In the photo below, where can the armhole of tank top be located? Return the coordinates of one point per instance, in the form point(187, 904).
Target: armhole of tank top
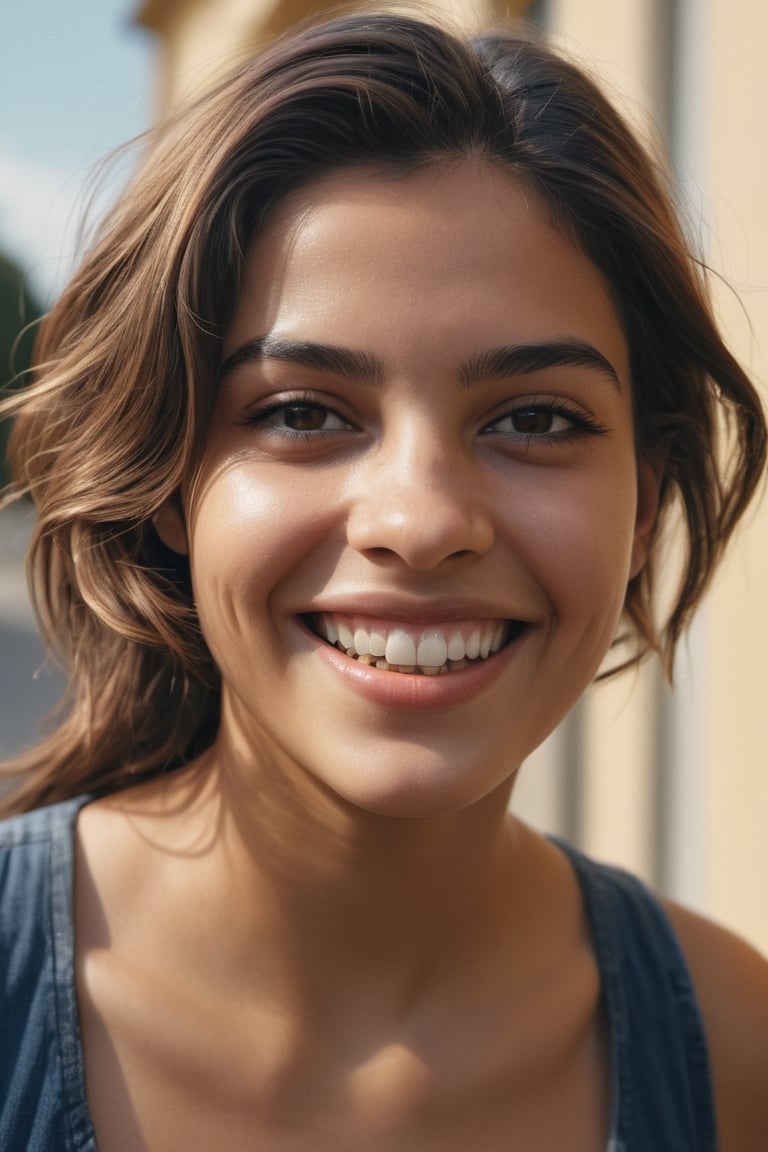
point(75, 1104)
point(595, 878)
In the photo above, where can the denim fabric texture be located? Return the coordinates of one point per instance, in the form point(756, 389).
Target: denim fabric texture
point(43, 1106)
point(660, 1082)
point(661, 1088)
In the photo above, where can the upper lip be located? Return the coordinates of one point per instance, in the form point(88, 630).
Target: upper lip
point(413, 609)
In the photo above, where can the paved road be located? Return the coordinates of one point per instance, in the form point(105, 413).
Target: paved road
point(28, 687)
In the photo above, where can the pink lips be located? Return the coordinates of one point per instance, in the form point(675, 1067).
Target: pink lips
point(412, 689)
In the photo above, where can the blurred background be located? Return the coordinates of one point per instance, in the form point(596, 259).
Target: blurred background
point(672, 785)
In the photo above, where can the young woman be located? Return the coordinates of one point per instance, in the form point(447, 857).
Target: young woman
point(352, 444)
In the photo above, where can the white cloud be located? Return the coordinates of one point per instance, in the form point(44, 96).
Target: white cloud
point(41, 208)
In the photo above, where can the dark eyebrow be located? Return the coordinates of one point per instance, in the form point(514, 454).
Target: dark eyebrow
point(323, 357)
point(522, 359)
point(509, 360)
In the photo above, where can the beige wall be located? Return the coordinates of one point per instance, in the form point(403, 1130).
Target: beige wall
point(678, 791)
point(739, 615)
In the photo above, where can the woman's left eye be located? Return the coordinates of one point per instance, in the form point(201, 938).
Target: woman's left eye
point(544, 421)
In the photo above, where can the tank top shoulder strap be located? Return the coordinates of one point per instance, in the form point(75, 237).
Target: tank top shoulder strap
point(661, 1089)
point(43, 1104)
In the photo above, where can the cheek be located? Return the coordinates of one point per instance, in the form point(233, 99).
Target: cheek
point(249, 525)
point(580, 534)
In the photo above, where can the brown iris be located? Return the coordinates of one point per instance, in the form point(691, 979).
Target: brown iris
point(304, 417)
point(533, 421)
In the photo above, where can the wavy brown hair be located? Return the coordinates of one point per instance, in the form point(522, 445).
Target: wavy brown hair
point(126, 363)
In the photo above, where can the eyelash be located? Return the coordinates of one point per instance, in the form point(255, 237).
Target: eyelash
point(262, 416)
point(582, 425)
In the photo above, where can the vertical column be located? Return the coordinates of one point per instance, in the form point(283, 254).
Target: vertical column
point(684, 763)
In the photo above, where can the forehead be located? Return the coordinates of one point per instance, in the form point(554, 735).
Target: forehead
point(454, 254)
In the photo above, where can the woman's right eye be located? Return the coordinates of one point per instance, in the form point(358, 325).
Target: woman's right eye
point(298, 418)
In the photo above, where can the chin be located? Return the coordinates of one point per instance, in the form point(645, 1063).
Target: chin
point(418, 792)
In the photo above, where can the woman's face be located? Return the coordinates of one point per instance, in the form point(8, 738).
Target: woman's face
point(419, 506)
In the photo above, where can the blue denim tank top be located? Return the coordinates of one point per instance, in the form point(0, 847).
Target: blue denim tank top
point(661, 1097)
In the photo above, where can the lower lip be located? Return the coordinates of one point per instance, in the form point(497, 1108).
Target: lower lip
point(416, 692)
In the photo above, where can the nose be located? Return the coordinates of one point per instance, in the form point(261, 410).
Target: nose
point(421, 499)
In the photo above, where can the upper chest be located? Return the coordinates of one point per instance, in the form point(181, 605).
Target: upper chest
point(167, 1069)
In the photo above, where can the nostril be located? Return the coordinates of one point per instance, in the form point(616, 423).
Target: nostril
point(423, 526)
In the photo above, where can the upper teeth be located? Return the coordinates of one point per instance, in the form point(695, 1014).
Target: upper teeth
point(413, 647)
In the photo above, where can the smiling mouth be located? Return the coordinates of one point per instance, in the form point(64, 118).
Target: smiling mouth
point(421, 650)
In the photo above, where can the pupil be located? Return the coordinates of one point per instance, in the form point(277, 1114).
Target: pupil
point(533, 421)
point(304, 417)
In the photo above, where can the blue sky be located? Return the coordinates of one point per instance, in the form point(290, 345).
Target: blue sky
point(76, 80)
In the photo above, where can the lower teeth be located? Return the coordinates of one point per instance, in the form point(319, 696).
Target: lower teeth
point(412, 669)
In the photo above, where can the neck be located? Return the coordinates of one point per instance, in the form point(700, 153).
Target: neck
point(337, 903)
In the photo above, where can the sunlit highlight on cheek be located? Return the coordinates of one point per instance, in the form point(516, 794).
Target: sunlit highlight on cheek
point(250, 522)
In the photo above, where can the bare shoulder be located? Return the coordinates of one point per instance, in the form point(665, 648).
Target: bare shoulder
point(731, 981)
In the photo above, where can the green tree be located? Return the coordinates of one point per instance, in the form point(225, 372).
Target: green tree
point(17, 309)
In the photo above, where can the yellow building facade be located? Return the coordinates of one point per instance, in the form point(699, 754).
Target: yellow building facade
point(675, 786)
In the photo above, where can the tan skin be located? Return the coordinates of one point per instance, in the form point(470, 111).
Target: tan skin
point(330, 933)
point(309, 1025)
